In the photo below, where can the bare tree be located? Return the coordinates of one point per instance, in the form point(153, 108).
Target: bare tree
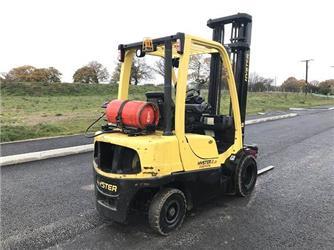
point(101, 72)
point(259, 83)
point(140, 70)
point(199, 68)
point(159, 67)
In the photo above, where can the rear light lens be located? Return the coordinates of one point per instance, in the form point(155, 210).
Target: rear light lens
point(178, 46)
point(121, 53)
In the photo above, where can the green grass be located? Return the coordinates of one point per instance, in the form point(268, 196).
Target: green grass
point(263, 102)
point(32, 110)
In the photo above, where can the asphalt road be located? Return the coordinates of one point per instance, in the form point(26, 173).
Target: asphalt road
point(50, 203)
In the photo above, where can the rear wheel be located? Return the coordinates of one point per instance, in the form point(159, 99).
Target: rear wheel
point(246, 175)
point(167, 210)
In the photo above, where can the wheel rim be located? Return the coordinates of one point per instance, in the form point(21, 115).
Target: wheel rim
point(172, 212)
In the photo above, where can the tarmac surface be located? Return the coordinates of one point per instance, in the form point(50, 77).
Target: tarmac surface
point(50, 203)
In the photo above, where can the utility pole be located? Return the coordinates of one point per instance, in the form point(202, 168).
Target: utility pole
point(306, 74)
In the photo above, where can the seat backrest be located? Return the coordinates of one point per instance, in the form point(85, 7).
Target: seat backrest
point(154, 95)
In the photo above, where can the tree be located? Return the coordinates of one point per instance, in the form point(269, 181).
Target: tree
point(258, 83)
point(20, 74)
point(199, 69)
point(159, 67)
point(85, 75)
point(29, 73)
point(39, 75)
point(314, 82)
point(327, 87)
point(93, 72)
point(100, 71)
point(140, 70)
point(293, 85)
point(116, 73)
point(313, 86)
point(53, 75)
point(48, 75)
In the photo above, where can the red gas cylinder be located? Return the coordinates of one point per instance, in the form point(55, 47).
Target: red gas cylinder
point(135, 114)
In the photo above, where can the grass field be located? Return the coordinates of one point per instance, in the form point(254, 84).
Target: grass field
point(37, 110)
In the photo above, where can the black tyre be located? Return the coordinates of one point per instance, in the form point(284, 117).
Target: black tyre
point(167, 210)
point(245, 176)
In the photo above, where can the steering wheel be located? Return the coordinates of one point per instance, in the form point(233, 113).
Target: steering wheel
point(192, 93)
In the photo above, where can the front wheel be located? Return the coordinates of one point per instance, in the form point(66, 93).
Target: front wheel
point(245, 176)
point(167, 210)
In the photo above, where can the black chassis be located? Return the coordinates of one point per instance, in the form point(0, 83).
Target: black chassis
point(198, 187)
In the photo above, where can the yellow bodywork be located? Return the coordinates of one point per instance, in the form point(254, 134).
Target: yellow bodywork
point(164, 155)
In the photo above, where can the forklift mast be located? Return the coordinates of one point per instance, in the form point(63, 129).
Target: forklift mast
point(239, 49)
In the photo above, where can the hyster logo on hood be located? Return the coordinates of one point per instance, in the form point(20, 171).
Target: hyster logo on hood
point(109, 187)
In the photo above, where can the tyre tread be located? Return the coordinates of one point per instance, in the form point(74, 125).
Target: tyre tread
point(156, 205)
point(238, 171)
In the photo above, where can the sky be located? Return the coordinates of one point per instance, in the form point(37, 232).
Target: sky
point(67, 34)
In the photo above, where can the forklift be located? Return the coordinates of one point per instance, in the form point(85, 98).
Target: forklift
point(175, 150)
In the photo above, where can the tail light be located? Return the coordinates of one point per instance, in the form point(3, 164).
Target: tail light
point(121, 53)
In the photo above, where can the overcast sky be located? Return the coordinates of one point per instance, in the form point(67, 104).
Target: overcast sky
point(68, 34)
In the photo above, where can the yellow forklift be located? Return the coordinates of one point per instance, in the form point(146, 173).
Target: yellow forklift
point(176, 149)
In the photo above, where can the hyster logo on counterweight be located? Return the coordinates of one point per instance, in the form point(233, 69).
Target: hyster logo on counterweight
point(109, 187)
